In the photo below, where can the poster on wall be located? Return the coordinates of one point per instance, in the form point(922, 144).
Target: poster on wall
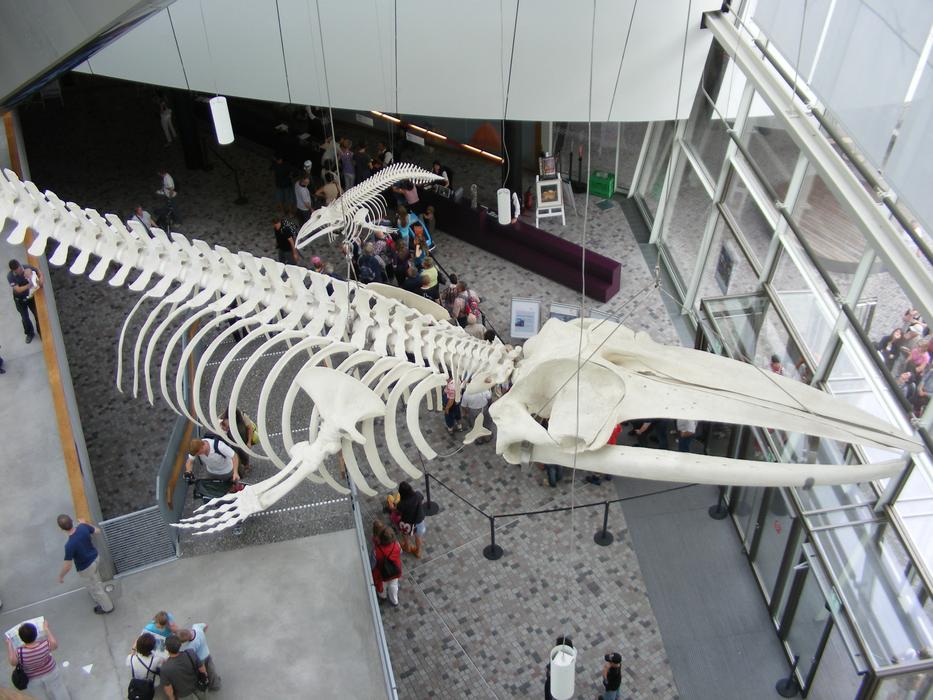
point(526, 317)
point(564, 312)
point(724, 266)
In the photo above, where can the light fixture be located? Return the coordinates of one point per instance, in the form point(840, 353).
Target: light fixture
point(392, 119)
point(221, 116)
point(433, 134)
point(504, 200)
point(563, 669)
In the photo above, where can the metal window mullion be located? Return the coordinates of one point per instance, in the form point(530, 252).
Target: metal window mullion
point(615, 168)
point(642, 157)
point(699, 169)
point(670, 180)
point(706, 245)
point(794, 188)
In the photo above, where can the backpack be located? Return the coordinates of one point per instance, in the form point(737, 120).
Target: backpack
point(388, 569)
point(141, 688)
point(471, 305)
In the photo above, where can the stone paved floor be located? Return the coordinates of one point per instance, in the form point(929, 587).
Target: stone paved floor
point(467, 627)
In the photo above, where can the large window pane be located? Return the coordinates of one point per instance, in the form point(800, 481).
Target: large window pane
point(727, 271)
point(835, 239)
point(806, 312)
point(707, 136)
point(868, 561)
point(848, 381)
point(655, 168)
point(601, 141)
point(685, 218)
point(774, 152)
point(887, 301)
point(753, 226)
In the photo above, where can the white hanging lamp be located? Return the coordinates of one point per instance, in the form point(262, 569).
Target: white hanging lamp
point(221, 116)
point(504, 200)
point(563, 671)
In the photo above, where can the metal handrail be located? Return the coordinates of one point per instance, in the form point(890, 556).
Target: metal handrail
point(384, 656)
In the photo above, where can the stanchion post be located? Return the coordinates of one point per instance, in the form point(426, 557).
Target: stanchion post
point(492, 551)
point(430, 507)
point(720, 510)
point(788, 687)
point(603, 537)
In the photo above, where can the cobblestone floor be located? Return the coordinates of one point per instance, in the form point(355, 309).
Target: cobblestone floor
point(469, 627)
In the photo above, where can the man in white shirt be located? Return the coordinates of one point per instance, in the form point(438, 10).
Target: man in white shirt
point(168, 185)
point(303, 200)
point(384, 154)
point(143, 217)
point(217, 457)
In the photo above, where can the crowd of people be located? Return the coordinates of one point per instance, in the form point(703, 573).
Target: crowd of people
point(399, 252)
point(906, 351)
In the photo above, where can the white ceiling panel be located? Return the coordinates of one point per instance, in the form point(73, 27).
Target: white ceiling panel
point(455, 57)
point(130, 56)
point(189, 32)
point(301, 39)
point(551, 64)
point(246, 48)
point(453, 77)
point(651, 70)
point(359, 48)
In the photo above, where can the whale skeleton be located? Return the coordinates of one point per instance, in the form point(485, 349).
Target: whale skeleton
point(371, 355)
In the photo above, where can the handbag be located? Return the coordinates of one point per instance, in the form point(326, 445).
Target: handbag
point(203, 681)
point(19, 678)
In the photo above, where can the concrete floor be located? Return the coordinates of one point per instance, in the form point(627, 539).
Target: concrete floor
point(297, 626)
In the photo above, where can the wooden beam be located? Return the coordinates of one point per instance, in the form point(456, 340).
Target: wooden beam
point(52, 366)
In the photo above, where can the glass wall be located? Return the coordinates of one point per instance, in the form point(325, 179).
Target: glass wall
point(765, 253)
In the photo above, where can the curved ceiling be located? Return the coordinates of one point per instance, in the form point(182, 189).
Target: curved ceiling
point(484, 59)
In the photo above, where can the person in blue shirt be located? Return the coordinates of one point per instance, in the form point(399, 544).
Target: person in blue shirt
point(80, 552)
point(195, 640)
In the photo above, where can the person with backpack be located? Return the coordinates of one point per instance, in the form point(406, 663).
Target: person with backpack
point(144, 663)
point(218, 458)
point(371, 266)
point(466, 302)
point(388, 565)
point(411, 518)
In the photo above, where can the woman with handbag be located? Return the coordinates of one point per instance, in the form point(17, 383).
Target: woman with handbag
point(388, 566)
point(36, 661)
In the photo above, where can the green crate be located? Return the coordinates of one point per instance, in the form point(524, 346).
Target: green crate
point(602, 184)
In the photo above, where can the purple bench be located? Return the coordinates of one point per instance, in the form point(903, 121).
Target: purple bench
point(528, 246)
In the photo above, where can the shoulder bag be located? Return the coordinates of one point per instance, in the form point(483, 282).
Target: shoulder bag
point(203, 680)
point(19, 678)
